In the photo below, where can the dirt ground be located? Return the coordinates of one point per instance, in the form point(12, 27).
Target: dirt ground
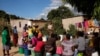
point(13, 51)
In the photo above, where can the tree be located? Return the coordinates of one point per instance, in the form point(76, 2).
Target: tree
point(88, 7)
point(56, 16)
point(97, 10)
point(57, 26)
point(61, 12)
point(5, 19)
point(14, 17)
point(6, 16)
point(42, 19)
point(2, 14)
point(72, 30)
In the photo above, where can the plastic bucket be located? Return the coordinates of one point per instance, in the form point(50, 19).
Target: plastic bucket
point(21, 50)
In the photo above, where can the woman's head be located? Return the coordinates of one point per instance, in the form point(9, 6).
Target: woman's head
point(5, 27)
point(35, 34)
point(67, 36)
point(64, 33)
point(39, 39)
point(58, 37)
point(80, 33)
point(15, 27)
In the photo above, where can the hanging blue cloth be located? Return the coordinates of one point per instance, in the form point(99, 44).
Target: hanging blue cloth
point(96, 22)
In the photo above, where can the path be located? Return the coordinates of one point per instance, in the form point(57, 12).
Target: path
point(13, 51)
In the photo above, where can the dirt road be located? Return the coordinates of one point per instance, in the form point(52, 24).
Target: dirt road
point(13, 51)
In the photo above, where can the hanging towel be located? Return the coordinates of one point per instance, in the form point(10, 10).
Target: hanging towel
point(96, 23)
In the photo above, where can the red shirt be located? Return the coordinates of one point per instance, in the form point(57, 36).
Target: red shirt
point(39, 46)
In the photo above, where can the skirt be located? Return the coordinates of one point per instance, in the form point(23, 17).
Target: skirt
point(59, 50)
point(6, 47)
point(15, 39)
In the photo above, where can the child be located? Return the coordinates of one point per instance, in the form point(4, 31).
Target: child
point(76, 46)
point(48, 49)
point(25, 46)
point(30, 32)
point(58, 47)
point(90, 45)
point(34, 39)
point(20, 43)
point(39, 47)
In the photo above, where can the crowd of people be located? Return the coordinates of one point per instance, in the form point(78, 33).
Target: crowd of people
point(34, 42)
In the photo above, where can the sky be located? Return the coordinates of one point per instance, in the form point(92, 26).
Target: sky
point(31, 9)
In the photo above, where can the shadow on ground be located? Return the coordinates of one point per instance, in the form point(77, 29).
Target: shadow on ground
point(13, 53)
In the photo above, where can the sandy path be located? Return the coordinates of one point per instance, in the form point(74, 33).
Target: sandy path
point(13, 51)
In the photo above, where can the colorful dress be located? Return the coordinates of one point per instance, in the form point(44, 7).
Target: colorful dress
point(15, 37)
point(58, 47)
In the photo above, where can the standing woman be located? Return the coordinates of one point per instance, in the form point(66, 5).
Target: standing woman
point(68, 46)
point(6, 41)
point(15, 36)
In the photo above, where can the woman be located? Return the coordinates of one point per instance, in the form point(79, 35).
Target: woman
point(15, 36)
point(81, 42)
point(68, 46)
point(30, 32)
point(50, 45)
point(58, 46)
point(39, 47)
point(6, 41)
point(90, 45)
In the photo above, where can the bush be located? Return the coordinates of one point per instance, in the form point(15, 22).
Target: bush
point(72, 30)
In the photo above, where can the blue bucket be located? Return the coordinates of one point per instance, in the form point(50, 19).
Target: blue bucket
point(27, 52)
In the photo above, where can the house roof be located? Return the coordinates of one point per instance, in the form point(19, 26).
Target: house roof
point(40, 21)
point(33, 20)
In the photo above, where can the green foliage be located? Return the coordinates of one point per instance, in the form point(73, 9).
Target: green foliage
point(56, 16)
point(97, 10)
point(6, 16)
point(14, 17)
point(44, 30)
point(5, 19)
point(72, 30)
point(2, 14)
point(85, 6)
point(57, 26)
point(3, 25)
point(61, 12)
point(88, 7)
point(42, 19)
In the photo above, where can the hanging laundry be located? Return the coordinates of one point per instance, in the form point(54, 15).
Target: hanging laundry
point(86, 24)
point(96, 23)
point(76, 25)
point(91, 23)
point(80, 25)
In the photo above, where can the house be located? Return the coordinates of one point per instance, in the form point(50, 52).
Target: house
point(21, 22)
point(68, 21)
point(79, 19)
point(40, 23)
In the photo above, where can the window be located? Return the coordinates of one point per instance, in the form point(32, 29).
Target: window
point(20, 24)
